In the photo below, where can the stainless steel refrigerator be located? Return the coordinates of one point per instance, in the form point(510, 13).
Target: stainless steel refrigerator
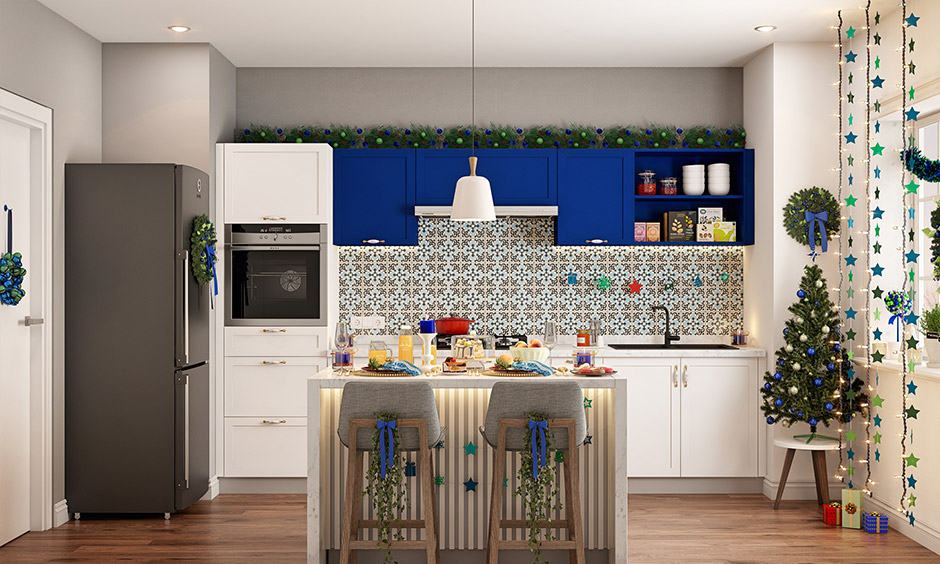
point(136, 339)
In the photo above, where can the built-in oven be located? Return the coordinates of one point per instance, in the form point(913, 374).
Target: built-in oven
point(275, 274)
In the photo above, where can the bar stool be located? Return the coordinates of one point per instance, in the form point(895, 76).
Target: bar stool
point(420, 429)
point(506, 425)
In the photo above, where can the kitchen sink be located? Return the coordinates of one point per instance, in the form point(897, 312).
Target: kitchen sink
point(677, 346)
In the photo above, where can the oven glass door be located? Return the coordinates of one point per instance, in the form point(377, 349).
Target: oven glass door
point(276, 284)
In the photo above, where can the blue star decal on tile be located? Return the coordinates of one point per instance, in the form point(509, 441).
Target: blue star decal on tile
point(850, 260)
point(876, 334)
point(877, 270)
point(912, 114)
point(911, 387)
point(878, 213)
point(850, 313)
point(911, 481)
point(877, 420)
point(851, 485)
point(851, 137)
point(850, 453)
point(850, 56)
point(505, 482)
point(877, 82)
point(850, 222)
point(471, 485)
point(911, 20)
point(911, 256)
point(911, 318)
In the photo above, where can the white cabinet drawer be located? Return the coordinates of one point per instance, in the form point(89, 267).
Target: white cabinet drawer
point(255, 449)
point(276, 341)
point(265, 386)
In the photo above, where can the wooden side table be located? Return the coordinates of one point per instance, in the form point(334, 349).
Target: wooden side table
point(817, 449)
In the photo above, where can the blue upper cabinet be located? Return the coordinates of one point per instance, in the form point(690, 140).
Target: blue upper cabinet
point(594, 202)
point(374, 197)
point(517, 177)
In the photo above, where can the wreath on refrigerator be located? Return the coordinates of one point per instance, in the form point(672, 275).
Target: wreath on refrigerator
point(202, 250)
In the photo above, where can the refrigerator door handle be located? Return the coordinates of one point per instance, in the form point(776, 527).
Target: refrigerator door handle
point(186, 432)
point(186, 319)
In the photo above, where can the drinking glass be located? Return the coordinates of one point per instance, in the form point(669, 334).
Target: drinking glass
point(341, 340)
point(550, 338)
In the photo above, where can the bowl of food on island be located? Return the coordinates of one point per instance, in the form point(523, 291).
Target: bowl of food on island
point(534, 350)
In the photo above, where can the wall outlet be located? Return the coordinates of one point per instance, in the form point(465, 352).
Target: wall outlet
point(377, 322)
point(359, 321)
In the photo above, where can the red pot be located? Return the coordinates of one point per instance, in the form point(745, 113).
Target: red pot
point(453, 326)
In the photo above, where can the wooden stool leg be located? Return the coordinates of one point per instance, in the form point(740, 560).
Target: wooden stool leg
point(427, 495)
point(437, 524)
point(351, 500)
point(822, 476)
point(816, 476)
point(574, 511)
point(496, 501)
point(357, 512)
point(787, 462)
point(572, 554)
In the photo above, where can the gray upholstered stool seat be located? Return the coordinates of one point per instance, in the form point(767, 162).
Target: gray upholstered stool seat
point(410, 400)
point(515, 400)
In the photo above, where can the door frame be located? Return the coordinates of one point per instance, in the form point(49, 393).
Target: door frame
point(38, 119)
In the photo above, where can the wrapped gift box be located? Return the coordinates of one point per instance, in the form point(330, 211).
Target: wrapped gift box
point(639, 232)
point(875, 522)
point(652, 232)
point(852, 509)
point(710, 215)
point(832, 513)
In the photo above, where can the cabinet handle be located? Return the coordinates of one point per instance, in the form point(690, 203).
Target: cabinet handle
point(266, 218)
point(269, 422)
point(685, 376)
point(274, 362)
point(596, 241)
point(675, 376)
point(373, 241)
point(274, 330)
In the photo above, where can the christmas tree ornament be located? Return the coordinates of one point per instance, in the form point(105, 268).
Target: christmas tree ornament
point(803, 338)
point(793, 391)
point(789, 348)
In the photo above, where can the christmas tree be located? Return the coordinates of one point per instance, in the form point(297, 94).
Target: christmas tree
point(810, 378)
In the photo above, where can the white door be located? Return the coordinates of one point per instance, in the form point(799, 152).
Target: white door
point(720, 417)
point(15, 339)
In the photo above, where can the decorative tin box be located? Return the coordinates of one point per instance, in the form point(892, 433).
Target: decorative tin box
point(653, 232)
point(639, 232)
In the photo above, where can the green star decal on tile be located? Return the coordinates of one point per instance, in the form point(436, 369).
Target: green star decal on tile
point(587, 403)
point(877, 149)
point(851, 240)
point(850, 334)
point(877, 401)
point(438, 480)
point(910, 366)
point(877, 314)
point(912, 187)
point(876, 438)
point(911, 412)
point(505, 482)
point(850, 32)
point(850, 435)
point(877, 356)
point(877, 292)
point(877, 192)
point(850, 201)
point(912, 342)
point(877, 106)
point(470, 449)
point(851, 160)
point(911, 92)
point(850, 293)
point(877, 247)
point(911, 460)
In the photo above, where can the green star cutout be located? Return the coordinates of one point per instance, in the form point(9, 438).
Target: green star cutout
point(851, 78)
point(910, 366)
point(877, 247)
point(470, 449)
point(850, 276)
point(911, 275)
point(910, 235)
point(850, 32)
point(851, 98)
point(505, 482)
point(851, 240)
point(438, 480)
point(877, 192)
point(911, 460)
point(877, 356)
point(911, 500)
point(851, 159)
point(877, 438)
point(912, 67)
point(877, 401)
point(911, 412)
point(911, 45)
point(912, 187)
point(877, 106)
point(877, 39)
point(850, 334)
point(877, 231)
point(850, 471)
point(587, 403)
point(850, 201)
point(850, 435)
point(877, 62)
point(877, 315)
point(850, 354)
point(877, 292)
point(912, 342)
point(877, 149)
point(877, 18)
point(851, 394)
point(911, 92)
point(850, 293)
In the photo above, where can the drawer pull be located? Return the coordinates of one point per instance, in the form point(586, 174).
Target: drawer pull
point(270, 422)
point(274, 330)
point(596, 241)
point(266, 218)
point(685, 376)
point(373, 241)
point(274, 362)
point(675, 376)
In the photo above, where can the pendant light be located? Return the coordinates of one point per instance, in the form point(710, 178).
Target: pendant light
point(473, 198)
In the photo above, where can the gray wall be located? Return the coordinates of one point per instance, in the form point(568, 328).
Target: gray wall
point(517, 96)
point(45, 58)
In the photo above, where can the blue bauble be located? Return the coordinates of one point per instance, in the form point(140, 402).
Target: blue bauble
point(780, 362)
point(408, 131)
point(649, 131)
point(279, 131)
point(830, 366)
point(828, 406)
point(784, 331)
point(679, 131)
point(792, 410)
point(770, 420)
point(813, 421)
point(767, 386)
point(778, 402)
point(818, 381)
point(778, 376)
point(811, 351)
point(567, 132)
point(816, 303)
point(800, 293)
point(439, 131)
point(518, 130)
point(800, 414)
point(836, 347)
point(487, 131)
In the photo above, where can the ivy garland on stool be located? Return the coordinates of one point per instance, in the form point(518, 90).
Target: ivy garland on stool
point(811, 217)
point(202, 250)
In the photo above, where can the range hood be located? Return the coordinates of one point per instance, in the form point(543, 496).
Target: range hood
point(501, 211)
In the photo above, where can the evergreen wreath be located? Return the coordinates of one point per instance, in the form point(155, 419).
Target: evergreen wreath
point(500, 137)
point(928, 170)
point(539, 494)
point(202, 249)
point(388, 495)
point(934, 233)
point(814, 200)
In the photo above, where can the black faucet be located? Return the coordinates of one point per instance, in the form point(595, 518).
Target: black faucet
point(667, 338)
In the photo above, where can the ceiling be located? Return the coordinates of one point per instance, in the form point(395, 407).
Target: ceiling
point(436, 33)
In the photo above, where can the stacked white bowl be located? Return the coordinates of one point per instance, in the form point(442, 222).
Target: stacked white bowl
point(693, 180)
point(719, 179)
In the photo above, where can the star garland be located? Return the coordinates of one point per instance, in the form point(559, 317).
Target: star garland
point(841, 171)
point(876, 150)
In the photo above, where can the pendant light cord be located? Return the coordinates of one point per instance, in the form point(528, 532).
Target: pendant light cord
point(473, 78)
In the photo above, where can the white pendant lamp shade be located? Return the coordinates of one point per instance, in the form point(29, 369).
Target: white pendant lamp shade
point(473, 199)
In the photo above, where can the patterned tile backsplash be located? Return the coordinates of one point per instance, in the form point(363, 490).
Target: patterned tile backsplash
point(508, 276)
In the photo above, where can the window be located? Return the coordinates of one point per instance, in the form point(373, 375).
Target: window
point(927, 136)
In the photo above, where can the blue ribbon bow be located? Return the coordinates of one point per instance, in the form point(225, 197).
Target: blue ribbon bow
point(539, 426)
point(897, 318)
point(210, 256)
point(382, 426)
point(811, 219)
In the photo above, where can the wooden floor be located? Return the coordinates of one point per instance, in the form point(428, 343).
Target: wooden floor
point(270, 529)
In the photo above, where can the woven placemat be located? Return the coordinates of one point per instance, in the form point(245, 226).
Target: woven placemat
point(511, 373)
point(381, 373)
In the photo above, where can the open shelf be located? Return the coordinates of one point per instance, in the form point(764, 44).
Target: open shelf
point(704, 198)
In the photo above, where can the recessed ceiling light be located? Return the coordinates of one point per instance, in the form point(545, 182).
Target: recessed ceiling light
point(765, 28)
point(179, 28)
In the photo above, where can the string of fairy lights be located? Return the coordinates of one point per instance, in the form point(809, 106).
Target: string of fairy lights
point(870, 216)
point(841, 171)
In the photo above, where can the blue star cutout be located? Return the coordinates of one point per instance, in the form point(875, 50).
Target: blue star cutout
point(878, 213)
point(911, 481)
point(911, 388)
point(876, 334)
point(877, 420)
point(850, 313)
point(911, 115)
point(850, 222)
point(877, 455)
point(912, 256)
point(470, 485)
point(877, 172)
point(470, 449)
point(878, 130)
point(877, 82)
point(850, 56)
point(911, 20)
point(850, 260)
point(911, 212)
point(851, 485)
point(851, 137)
point(850, 372)
point(851, 180)
point(877, 270)
point(850, 453)
point(587, 439)
point(911, 318)
point(910, 517)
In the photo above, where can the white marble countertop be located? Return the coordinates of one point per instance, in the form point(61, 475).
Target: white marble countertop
point(333, 379)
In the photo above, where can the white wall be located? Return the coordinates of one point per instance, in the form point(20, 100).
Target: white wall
point(45, 58)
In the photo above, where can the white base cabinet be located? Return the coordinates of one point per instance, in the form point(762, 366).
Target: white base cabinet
point(270, 447)
point(692, 417)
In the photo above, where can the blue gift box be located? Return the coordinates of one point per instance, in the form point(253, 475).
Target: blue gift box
point(875, 522)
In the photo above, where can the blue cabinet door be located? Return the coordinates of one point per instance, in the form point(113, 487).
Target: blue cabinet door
point(524, 177)
point(374, 197)
point(595, 204)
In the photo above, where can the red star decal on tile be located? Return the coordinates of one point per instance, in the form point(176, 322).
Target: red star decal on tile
point(635, 287)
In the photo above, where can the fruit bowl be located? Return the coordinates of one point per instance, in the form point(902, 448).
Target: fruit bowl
point(528, 354)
